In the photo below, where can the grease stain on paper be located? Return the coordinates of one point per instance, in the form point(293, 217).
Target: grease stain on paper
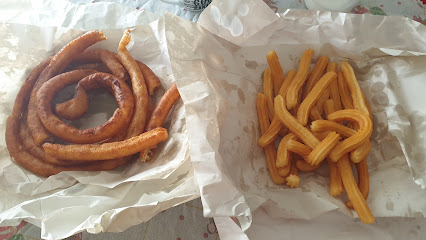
point(251, 64)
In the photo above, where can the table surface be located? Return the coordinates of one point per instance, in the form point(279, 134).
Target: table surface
point(186, 221)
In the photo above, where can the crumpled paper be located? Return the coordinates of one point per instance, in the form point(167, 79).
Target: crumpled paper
point(218, 65)
point(94, 201)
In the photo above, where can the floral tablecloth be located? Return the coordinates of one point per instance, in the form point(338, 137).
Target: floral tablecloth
point(186, 221)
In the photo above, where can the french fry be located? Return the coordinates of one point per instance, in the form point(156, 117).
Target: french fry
point(270, 152)
point(299, 79)
point(276, 70)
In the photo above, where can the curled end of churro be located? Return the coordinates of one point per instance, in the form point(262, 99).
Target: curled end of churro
point(292, 181)
point(124, 40)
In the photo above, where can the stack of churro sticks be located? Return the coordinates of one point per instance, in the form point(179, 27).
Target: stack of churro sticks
point(320, 116)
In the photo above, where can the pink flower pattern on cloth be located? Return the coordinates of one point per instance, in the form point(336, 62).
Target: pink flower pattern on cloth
point(186, 221)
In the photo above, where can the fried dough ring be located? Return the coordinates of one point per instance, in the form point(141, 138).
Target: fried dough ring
point(90, 81)
point(159, 115)
point(100, 67)
point(56, 65)
point(140, 92)
point(109, 150)
point(37, 151)
point(23, 96)
point(42, 168)
point(151, 80)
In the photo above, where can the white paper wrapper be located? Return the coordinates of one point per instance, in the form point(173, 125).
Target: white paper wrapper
point(93, 201)
point(218, 65)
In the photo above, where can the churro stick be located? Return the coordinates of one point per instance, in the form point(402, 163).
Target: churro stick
point(321, 101)
point(293, 179)
point(270, 152)
point(303, 166)
point(361, 153)
point(298, 148)
point(299, 79)
point(276, 125)
point(357, 95)
point(344, 92)
point(293, 125)
point(321, 135)
point(363, 180)
point(289, 77)
point(285, 171)
point(325, 125)
point(332, 67)
point(356, 140)
point(336, 186)
point(335, 95)
point(268, 90)
point(354, 194)
point(320, 152)
point(315, 114)
point(313, 96)
point(283, 154)
point(316, 74)
point(276, 70)
point(272, 132)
